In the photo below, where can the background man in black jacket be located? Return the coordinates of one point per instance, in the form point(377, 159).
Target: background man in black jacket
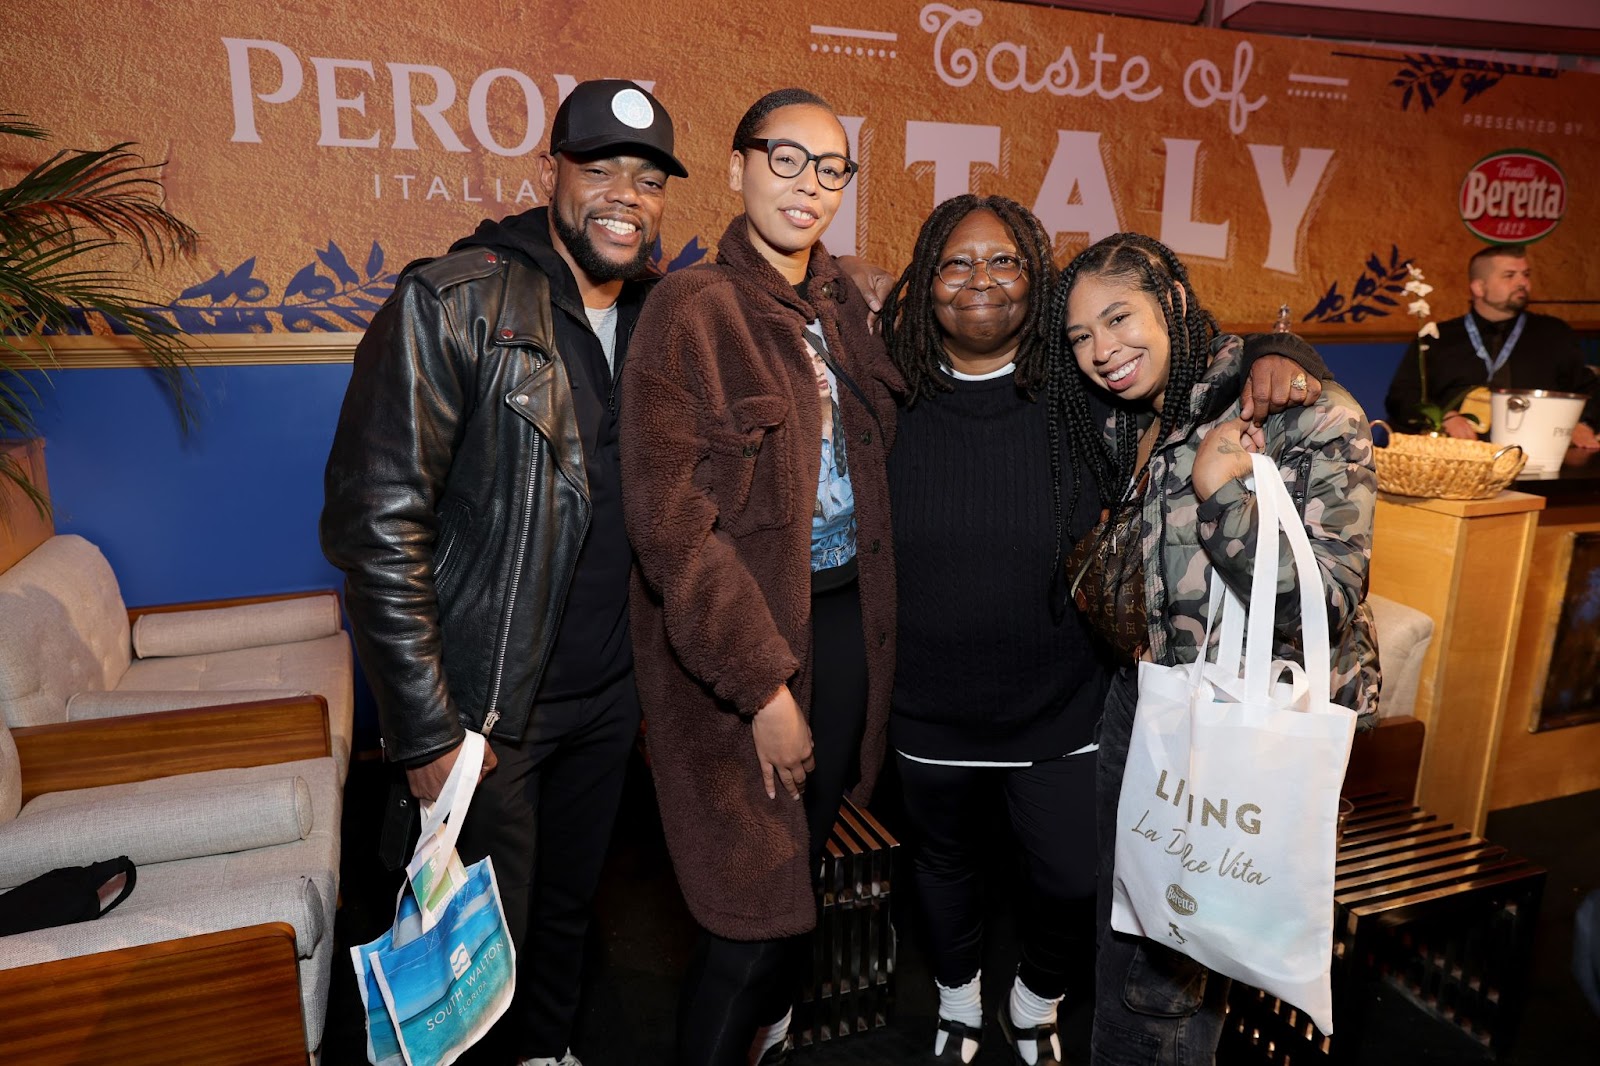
point(473, 501)
point(1498, 343)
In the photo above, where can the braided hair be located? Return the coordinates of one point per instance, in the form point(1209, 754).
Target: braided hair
point(1152, 267)
point(910, 329)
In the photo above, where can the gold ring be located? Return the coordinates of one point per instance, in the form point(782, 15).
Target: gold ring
point(1298, 382)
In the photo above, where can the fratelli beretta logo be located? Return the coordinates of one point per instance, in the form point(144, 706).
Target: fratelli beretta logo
point(1181, 901)
point(1513, 197)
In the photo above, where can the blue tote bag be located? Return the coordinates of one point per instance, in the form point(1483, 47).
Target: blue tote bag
point(446, 969)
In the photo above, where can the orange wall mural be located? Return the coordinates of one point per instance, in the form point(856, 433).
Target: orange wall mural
point(319, 147)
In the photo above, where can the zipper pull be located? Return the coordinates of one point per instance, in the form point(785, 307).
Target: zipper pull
point(489, 721)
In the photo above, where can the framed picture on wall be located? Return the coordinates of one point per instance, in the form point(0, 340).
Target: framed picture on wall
point(1572, 685)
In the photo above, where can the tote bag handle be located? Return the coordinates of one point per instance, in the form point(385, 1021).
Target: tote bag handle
point(1274, 511)
point(450, 809)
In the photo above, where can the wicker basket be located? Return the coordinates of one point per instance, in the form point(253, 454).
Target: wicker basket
point(1445, 467)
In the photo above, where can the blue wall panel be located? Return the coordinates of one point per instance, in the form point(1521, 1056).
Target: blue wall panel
point(228, 510)
point(231, 509)
point(1364, 369)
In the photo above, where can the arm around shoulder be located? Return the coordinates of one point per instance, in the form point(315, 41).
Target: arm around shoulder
point(1290, 346)
point(1331, 446)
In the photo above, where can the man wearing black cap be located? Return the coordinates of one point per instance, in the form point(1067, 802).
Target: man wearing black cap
point(473, 501)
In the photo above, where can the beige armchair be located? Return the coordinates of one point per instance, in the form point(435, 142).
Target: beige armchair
point(1387, 758)
point(223, 952)
point(71, 651)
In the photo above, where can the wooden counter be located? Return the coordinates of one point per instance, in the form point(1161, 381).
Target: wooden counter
point(1465, 564)
point(1557, 762)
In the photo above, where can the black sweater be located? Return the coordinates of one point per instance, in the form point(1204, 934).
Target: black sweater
point(984, 672)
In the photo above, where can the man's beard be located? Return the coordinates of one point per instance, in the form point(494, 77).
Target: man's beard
point(1517, 301)
point(589, 259)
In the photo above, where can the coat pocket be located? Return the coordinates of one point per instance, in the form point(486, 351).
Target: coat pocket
point(455, 517)
point(749, 469)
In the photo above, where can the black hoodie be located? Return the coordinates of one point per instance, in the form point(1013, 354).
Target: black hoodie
point(592, 648)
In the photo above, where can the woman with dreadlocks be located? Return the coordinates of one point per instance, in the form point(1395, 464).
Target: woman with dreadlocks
point(1168, 463)
point(994, 695)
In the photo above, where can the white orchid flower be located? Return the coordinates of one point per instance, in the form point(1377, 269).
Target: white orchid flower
point(1415, 273)
point(1429, 330)
point(1419, 308)
point(1417, 288)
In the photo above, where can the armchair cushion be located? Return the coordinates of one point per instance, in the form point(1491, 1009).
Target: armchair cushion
point(63, 629)
point(159, 910)
point(322, 666)
point(10, 777)
point(73, 829)
point(254, 625)
point(1404, 634)
point(296, 882)
point(94, 705)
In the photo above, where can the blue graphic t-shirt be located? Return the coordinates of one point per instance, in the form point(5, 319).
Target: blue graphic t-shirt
point(833, 521)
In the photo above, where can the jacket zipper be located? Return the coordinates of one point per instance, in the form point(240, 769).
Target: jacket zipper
point(616, 374)
point(493, 715)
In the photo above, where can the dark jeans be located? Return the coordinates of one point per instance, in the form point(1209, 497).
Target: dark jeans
point(1049, 805)
point(1153, 1006)
point(545, 816)
point(734, 987)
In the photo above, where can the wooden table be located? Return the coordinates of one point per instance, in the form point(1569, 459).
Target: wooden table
point(1434, 912)
point(1464, 563)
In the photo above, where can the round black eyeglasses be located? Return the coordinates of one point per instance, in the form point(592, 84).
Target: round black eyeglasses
point(1002, 269)
point(788, 160)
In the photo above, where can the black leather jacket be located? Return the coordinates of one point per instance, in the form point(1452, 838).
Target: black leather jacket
point(456, 500)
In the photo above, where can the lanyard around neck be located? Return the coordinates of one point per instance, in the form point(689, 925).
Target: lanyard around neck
point(1494, 365)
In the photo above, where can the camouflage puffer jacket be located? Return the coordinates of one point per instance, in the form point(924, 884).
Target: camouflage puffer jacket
point(1325, 455)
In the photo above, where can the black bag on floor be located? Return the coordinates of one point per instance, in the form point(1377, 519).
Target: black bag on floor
point(62, 897)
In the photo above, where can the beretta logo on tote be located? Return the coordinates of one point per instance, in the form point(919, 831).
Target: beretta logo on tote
point(1513, 197)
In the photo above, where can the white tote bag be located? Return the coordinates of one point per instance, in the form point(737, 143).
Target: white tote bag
point(1227, 821)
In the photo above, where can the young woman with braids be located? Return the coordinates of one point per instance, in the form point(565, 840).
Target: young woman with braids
point(998, 685)
point(1173, 452)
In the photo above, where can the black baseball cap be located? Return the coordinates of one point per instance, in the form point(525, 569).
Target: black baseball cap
point(613, 113)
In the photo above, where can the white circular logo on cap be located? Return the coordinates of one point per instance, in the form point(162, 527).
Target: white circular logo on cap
point(632, 108)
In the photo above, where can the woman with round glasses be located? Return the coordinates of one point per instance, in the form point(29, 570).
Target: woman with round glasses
point(759, 411)
point(996, 694)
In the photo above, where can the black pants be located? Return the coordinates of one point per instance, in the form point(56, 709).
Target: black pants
point(1051, 808)
point(734, 987)
point(545, 816)
point(1153, 1006)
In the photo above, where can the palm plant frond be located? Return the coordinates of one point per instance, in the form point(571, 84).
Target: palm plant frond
point(112, 191)
point(59, 223)
point(15, 125)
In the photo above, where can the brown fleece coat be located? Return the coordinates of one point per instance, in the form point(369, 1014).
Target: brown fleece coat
point(721, 445)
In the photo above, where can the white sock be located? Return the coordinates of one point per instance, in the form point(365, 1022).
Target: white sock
point(769, 1036)
point(961, 1004)
point(1029, 1010)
